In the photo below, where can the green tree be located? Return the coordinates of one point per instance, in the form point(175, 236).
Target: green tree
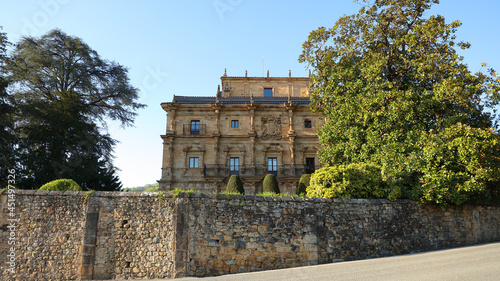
point(385, 76)
point(270, 184)
point(64, 92)
point(7, 140)
point(235, 185)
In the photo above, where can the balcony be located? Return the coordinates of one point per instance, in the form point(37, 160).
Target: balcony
point(212, 170)
point(194, 130)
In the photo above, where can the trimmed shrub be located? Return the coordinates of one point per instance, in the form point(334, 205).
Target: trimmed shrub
point(235, 185)
point(303, 183)
point(61, 185)
point(270, 184)
point(358, 180)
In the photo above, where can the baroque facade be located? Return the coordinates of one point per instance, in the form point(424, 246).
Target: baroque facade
point(252, 127)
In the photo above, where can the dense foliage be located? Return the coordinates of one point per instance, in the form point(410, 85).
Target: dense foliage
point(61, 185)
point(458, 164)
point(235, 185)
point(7, 157)
point(270, 184)
point(62, 92)
point(303, 183)
point(356, 180)
point(393, 89)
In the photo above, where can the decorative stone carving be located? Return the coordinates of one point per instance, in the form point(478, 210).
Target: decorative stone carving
point(239, 148)
point(271, 128)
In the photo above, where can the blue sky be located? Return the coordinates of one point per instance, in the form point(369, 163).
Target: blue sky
point(182, 47)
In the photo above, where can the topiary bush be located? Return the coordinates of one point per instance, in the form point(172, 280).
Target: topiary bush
point(358, 180)
point(61, 185)
point(235, 185)
point(303, 183)
point(270, 184)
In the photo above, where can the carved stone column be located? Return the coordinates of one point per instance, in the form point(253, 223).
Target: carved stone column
point(216, 150)
point(217, 117)
point(186, 160)
point(251, 107)
point(281, 157)
point(242, 155)
point(292, 150)
point(252, 150)
point(170, 109)
point(202, 150)
point(290, 109)
point(216, 107)
point(172, 120)
point(170, 164)
point(226, 153)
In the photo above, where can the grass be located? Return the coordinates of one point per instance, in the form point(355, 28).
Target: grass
point(272, 194)
point(175, 193)
point(262, 194)
point(178, 191)
point(229, 193)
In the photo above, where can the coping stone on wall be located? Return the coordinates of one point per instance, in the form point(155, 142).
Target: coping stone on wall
point(26, 192)
point(217, 196)
point(45, 192)
point(71, 193)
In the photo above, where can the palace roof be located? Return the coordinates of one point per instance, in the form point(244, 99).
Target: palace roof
point(239, 100)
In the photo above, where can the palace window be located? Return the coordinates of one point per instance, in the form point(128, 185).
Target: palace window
point(272, 166)
point(235, 123)
point(193, 162)
point(268, 92)
point(234, 166)
point(195, 127)
point(307, 123)
point(310, 166)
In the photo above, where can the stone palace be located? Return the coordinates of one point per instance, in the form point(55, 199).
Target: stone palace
point(254, 126)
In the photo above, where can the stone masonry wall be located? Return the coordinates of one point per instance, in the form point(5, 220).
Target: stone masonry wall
point(71, 235)
point(48, 235)
point(135, 236)
point(113, 235)
point(246, 233)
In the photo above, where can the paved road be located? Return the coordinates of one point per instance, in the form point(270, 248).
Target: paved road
point(481, 263)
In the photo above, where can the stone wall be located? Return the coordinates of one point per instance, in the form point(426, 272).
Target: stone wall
point(78, 235)
point(249, 233)
point(48, 236)
point(71, 235)
point(135, 236)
